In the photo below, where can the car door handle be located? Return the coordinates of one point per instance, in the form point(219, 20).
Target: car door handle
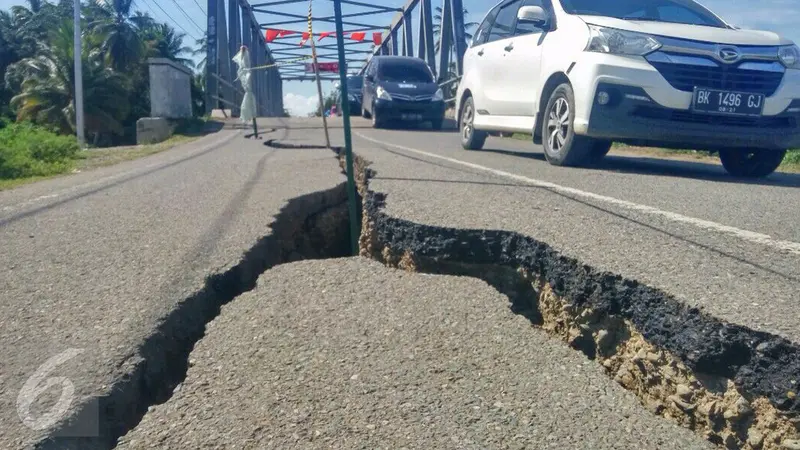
point(509, 47)
point(480, 53)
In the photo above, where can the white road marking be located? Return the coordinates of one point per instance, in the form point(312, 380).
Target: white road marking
point(749, 236)
point(104, 180)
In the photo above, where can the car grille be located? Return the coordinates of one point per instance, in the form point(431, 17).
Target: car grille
point(686, 77)
point(412, 98)
point(712, 119)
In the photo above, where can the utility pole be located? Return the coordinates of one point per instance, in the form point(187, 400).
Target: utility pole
point(348, 142)
point(319, 93)
point(78, 75)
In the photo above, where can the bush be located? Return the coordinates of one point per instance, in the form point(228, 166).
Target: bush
point(27, 150)
point(793, 157)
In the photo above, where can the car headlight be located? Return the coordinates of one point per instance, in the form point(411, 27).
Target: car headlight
point(382, 94)
point(790, 56)
point(438, 96)
point(619, 42)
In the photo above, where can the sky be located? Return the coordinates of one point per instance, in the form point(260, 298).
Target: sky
point(300, 98)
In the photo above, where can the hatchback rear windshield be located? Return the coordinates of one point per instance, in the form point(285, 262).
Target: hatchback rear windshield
point(673, 11)
point(408, 72)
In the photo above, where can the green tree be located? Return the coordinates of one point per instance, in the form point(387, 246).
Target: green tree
point(48, 96)
point(437, 27)
point(120, 28)
point(162, 41)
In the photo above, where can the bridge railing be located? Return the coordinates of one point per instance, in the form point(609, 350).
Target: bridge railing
point(225, 33)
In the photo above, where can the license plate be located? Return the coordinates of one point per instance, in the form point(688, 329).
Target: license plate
point(411, 116)
point(713, 101)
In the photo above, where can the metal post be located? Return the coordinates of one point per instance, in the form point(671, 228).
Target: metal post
point(319, 92)
point(348, 144)
point(421, 38)
point(257, 76)
point(394, 42)
point(460, 43)
point(79, 126)
point(445, 40)
point(234, 42)
point(430, 52)
point(224, 57)
point(264, 83)
point(279, 83)
point(408, 31)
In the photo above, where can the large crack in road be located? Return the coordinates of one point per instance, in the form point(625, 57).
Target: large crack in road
point(735, 386)
point(314, 226)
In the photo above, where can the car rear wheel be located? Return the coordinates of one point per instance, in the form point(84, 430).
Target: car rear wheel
point(377, 122)
point(748, 163)
point(471, 139)
point(562, 147)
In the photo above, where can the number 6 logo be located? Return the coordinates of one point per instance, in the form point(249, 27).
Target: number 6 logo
point(33, 388)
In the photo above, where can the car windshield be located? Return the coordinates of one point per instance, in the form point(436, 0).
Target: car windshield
point(404, 72)
point(672, 11)
point(355, 82)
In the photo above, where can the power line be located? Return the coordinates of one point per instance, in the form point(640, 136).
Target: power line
point(174, 21)
point(201, 8)
point(186, 15)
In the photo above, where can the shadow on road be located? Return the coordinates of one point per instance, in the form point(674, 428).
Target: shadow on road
point(449, 126)
point(643, 165)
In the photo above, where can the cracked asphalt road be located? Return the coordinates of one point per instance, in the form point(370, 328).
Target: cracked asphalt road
point(346, 353)
point(94, 261)
point(97, 258)
point(684, 227)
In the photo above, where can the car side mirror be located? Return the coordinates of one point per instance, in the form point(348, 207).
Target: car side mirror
point(369, 78)
point(535, 15)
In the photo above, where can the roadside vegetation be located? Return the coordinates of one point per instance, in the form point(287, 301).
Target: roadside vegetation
point(37, 99)
point(791, 163)
point(30, 153)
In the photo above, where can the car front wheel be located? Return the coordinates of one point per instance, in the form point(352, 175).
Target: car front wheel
point(748, 163)
point(562, 147)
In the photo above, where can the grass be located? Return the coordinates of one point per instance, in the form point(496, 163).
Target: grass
point(791, 163)
point(21, 160)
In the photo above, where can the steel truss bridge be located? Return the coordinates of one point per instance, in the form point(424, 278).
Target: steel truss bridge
point(415, 29)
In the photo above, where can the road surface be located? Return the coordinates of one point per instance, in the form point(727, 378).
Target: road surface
point(729, 246)
point(114, 263)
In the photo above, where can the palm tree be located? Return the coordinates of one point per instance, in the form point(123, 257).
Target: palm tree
point(164, 42)
point(437, 26)
point(48, 96)
point(120, 28)
point(201, 44)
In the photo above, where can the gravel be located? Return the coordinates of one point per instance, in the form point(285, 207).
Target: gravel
point(347, 353)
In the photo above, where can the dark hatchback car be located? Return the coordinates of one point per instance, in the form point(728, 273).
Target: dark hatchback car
point(401, 88)
point(354, 85)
